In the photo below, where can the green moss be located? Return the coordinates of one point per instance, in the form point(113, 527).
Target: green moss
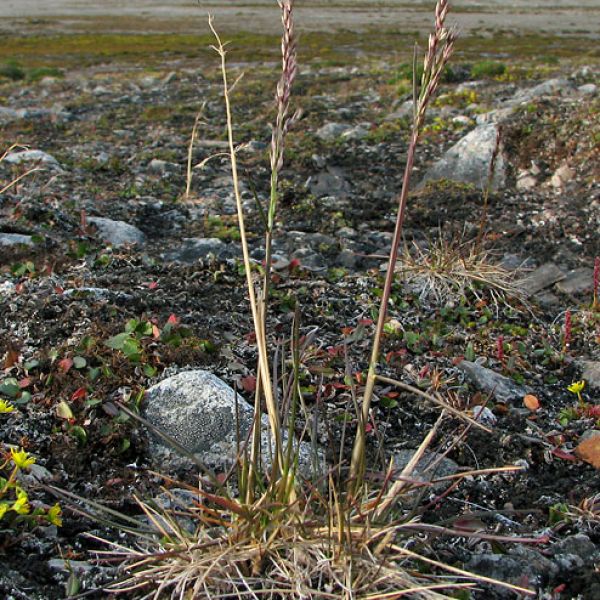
point(487, 68)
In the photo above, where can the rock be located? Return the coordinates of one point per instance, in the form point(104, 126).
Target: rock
point(494, 116)
point(588, 89)
point(102, 294)
point(117, 233)
point(12, 239)
point(207, 417)
point(545, 276)
point(526, 181)
point(469, 159)
point(502, 388)
point(591, 373)
point(521, 566)
point(8, 114)
point(193, 249)
point(577, 281)
point(34, 475)
point(357, 133)
point(332, 131)
point(329, 183)
point(578, 545)
point(32, 156)
point(70, 566)
point(404, 112)
point(562, 176)
point(162, 167)
point(427, 468)
point(588, 435)
point(310, 260)
point(551, 87)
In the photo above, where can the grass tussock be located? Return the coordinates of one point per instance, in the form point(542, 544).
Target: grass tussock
point(447, 270)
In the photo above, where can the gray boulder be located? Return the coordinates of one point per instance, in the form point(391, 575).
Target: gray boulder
point(117, 233)
point(208, 418)
point(501, 387)
point(468, 161)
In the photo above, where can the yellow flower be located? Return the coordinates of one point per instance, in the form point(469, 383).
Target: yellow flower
point(3, 509)
point(5, 407)
point(54, 515)
point(577, 387)
point(21, 504)
point(21, 458)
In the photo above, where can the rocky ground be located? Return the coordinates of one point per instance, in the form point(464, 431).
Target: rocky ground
point(113, 278)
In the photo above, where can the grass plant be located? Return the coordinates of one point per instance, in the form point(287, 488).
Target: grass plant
point(269, 533)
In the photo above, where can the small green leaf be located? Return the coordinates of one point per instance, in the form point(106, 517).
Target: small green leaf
point(79, 362)
point(118, 341)
point(31, 364)
point(79, 433)
point(388, 402)
point(149, 371)
point(125, 444)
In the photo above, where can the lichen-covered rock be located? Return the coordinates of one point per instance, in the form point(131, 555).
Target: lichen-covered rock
point(206, 416)
point(468, 161)
point(501, 387)
point(117, 233)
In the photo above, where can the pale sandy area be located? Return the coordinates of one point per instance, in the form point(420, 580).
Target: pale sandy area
point(555, 16)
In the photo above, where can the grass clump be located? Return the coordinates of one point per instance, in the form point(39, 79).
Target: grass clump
point(11, 70)
point(263, 530)
point(488, 69)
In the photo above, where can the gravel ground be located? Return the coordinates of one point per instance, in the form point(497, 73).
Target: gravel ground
point(566, 16)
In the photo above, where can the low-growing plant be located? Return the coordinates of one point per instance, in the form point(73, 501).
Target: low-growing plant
point(487, 68)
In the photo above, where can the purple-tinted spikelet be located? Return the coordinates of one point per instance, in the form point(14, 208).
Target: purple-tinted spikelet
point(289, 69)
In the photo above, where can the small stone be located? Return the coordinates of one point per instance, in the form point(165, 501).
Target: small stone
point(404, 112)
point(579, 545)
point(329, 183)
point(591, 373)
point(428, 468)
point(502, 388)
point(12, 239)
point(588, 89)
point(117, 233)
point(543, 277)
point(577, 281)
point(162, 167)
point(526, 181)
point(562, 176)
point(332, 131)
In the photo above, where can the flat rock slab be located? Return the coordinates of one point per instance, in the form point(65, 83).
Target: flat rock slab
point(500, 387)
point(543, 277)
point(431, 466)
point(468, 161)
point(117, 233)
point(577, 281)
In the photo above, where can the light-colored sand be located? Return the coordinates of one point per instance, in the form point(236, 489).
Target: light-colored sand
point(553, 16)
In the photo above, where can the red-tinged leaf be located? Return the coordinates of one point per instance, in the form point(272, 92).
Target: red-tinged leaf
point(250, 337)
point(20, 288)
point(424, 371)
point(173, 320)
point(562, 454)
point(457, 360)
point(114, 481)
point(221, 478)
point(294, 264)
point(368, 428)
point(559, 589)
point(347, 330)
point(58, 290)
point(24, 383)
point(155, 332)
point(248, 383)
point(152, 285)
point(392, 394)
point(338, 385)
point(78, 394)
point(358, 376)
point(365, 322)
point(65, 365)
